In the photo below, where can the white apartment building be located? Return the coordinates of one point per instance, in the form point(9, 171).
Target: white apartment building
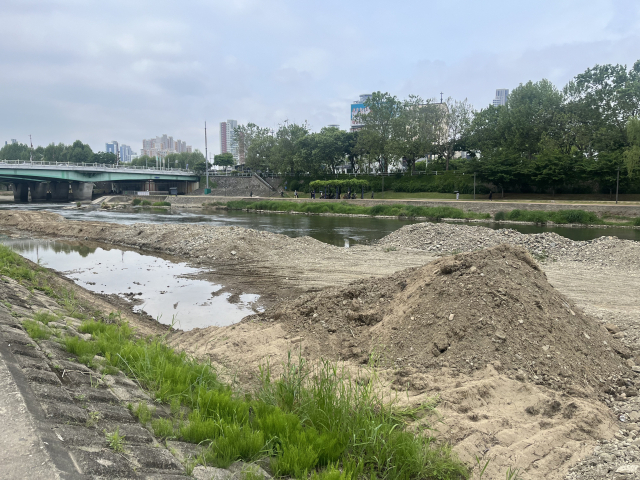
point(502, 94)
point(163, 146)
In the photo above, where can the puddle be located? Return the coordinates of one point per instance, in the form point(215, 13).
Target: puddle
point(161, 288)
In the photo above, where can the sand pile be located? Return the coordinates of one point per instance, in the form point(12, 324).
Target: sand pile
point(491, 307)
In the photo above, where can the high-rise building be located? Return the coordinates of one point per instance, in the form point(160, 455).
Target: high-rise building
point(358, 109)
point(502, 94)
point(163, 146)
point(125, 153)
point(228, 142)
point(111, 147)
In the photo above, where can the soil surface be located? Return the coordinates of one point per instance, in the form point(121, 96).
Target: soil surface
point(503, 387)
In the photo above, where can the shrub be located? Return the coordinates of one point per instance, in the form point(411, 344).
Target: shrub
point(161, 204)
point(499, 216)
point(145, 203)
point(636, 222)
point(136, 201)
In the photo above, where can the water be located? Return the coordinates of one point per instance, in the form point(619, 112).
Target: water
point(165, 289)
point(340, 231)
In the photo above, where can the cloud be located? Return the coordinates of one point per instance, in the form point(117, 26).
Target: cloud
point(130, 70)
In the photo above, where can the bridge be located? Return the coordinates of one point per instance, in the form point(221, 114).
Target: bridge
point(52, 180)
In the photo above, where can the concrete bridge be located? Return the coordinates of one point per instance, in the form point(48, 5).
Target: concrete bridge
point(52, 180)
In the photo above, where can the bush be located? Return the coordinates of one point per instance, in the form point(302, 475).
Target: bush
point(499, 216)
point(161, 204)
point(145, 203)
point(561, 216)
point(136, 201)
point(636, 222)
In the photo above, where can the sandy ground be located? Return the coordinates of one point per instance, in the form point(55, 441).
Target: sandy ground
point(483, 413)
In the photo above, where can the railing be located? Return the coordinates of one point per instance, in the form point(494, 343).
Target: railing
point(105, 166)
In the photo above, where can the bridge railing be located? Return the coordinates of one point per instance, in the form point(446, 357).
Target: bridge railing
point(121, 167)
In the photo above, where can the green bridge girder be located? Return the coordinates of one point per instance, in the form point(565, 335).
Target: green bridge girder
point(8, 173)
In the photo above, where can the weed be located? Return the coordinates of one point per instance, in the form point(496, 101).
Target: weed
point(94, 417)
point(7, 304)
point(44, 317)
point(116, 441)
point(499, 216)
point(36, 330)
point(390, 249)
point(143, 413)
point(161, 204)
point(162, 427)
point(513, 474)
point(636, 221)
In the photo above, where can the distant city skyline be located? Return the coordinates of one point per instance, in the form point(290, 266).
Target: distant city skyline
point(502, 94)
point(228, 143)
point(163, 146)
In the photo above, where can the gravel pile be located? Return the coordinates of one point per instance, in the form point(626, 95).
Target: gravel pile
point(444, 239)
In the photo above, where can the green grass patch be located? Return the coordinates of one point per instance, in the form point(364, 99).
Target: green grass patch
point(36, 330)
point(311, 420)
point(636, 222)
point(145, 203)
point(329, 206)
point(161, 204)
point(14, 266)
point(45, 317)
point(560, 216)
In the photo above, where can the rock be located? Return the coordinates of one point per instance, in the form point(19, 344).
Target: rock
point(611, 328)
point(501, 335)
point(628, 469)
point(636, 369)
point(233, 252)
point(452, 316)
point(210, 473)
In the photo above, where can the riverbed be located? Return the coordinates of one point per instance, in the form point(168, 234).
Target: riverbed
point(169, 291)
point(342, 231)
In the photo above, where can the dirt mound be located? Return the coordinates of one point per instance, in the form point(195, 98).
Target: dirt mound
point(464, 312)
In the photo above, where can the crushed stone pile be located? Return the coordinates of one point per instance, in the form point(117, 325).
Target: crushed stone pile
point(493, 306)
point(445, 238)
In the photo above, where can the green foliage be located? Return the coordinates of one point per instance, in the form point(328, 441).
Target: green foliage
point(561, 216)
point(499, 216)
point(116, 441)
point(36, 330)
point(309, 419)
point(224, 159)
point(328, 206)
point(161, 204)
point(45, 317)
point(145, 203)
point(162, 428)
point(636, 221)
point(136, 201)
point(142, 412)
point(344, 185)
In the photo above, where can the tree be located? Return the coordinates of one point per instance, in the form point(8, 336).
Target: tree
point(14, 151)
point(632, 153)
point(79, 153)
point(376, 134)
point(285, 153)
point(415, 129)
point(224, 160)
point(454, 120)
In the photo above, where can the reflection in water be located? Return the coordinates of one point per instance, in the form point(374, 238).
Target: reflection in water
point(163, 289)
point(340, 231)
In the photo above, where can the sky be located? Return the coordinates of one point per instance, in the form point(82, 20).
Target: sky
point(128, 70)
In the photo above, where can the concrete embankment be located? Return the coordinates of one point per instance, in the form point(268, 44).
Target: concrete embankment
point(478, 206)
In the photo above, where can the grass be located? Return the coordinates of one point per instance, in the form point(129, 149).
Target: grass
point(328, 206)
point(116, 441)
point(145, 203)
point(309, 420)
point(45, 317)
point(36, 330)
point(161, 204)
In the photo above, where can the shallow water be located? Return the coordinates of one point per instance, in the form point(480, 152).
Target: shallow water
point(166, 290)
point(340, 231)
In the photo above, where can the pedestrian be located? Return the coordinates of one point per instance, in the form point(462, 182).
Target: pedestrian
point(251, 193)
point(490, 196)
point(371, 193)
point(295, 193)
point(457, 195)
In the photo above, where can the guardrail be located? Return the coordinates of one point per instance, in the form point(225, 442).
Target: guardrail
point(93, 166)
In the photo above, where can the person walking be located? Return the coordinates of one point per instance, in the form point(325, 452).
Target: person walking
point(490, 196)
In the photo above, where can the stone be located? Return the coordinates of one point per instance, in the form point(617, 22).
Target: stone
point(210, 473)
point(501, 335)
point(628, 469)
point(611, 328)
point(452, 316)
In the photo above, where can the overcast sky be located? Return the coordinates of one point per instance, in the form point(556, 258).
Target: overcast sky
point(134, 69)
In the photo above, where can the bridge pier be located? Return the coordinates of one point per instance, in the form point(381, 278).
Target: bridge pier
point(20, 192)
point(82, 191)
point(60, 191)
point(38, 191)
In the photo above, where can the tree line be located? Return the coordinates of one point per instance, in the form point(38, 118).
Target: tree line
point(576, 139)
point(78, 152)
